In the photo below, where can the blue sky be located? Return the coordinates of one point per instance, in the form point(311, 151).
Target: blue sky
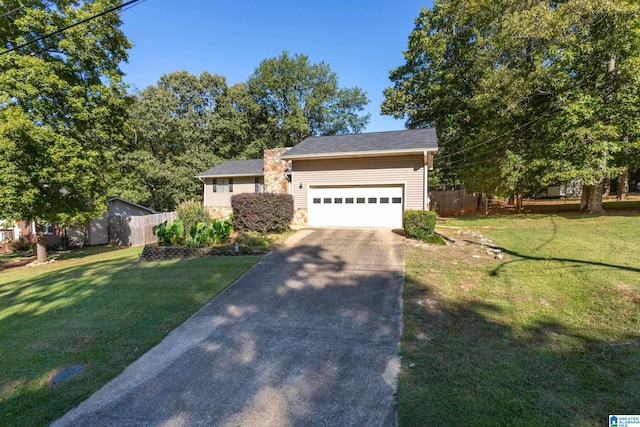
point(360, 40)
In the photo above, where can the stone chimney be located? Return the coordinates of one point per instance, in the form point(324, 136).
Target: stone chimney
point(275, 178)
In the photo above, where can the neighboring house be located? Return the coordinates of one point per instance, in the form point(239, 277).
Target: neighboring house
point(360, 180)
point(6, 230)
point(96, 232)
point(27, 231)
point(571, 188)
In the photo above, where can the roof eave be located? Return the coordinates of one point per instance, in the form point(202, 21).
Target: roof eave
point(376, 153)
point(229, 175)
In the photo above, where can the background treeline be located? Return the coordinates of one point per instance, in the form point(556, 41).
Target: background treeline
point(526, 93)
point(186, 124)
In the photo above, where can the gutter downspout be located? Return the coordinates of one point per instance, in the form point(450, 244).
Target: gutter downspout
point(425, 177)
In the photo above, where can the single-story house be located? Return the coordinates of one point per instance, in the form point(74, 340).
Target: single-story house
point(359, 180)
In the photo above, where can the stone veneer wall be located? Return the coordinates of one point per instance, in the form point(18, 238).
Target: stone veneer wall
point(275, 178)
point(220, 212)
point(299, 217)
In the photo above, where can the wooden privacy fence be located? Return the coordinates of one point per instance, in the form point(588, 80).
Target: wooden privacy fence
point(453, 202)
point(136, 230)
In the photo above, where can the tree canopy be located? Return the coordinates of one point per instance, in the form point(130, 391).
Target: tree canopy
point(186, 124)
point(301, 99)
point(525, 93)
point(62, 107)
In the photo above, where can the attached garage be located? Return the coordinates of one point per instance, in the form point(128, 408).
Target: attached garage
point(357, 180)
point(356, 206)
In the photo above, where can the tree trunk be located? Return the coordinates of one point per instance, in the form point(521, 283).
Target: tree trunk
point(623, 185)
point(584, 199)
point(41, 243)
point(519, 203)
point(595, 198)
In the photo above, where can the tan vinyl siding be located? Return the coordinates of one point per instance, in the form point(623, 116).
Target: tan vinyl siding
point(241, 184)
point(407, 170)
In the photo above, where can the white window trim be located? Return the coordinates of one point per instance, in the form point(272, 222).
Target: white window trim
point(49, 228)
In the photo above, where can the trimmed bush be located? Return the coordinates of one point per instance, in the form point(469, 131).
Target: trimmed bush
point(192, 212)
point(419, 224)
point(262, 212)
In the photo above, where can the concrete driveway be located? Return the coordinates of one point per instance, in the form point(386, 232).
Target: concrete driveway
point(309, 336)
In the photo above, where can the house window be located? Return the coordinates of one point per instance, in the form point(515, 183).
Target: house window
point(327, 200)
point(337, 200)
point(259, 181)
point(360, 200)
point(349, 200)
point(49, 228)
point(223, 185)
point(372, 200)
point(384, 200)
point(316, 200)
point(396, 200)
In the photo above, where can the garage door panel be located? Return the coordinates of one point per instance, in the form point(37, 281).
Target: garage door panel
point(356, 206)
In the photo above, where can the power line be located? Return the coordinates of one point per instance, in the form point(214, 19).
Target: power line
point(11, 11)
point(577, 85)
point(501, 135)
point(113, 9)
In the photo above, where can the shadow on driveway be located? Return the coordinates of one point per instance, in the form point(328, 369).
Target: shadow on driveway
point(309, 336)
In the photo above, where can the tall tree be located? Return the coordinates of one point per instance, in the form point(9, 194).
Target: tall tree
point(61, 108)
point(300, 99)
point(183, 125)
point(524, 91)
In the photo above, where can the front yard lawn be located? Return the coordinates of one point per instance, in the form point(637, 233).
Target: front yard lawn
point(547, 335)
point(102, 308)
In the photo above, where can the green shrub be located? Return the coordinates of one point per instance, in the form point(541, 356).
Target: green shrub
point(169, 234)
point(253, 239)
point(435, 240)
point(207, 234)
point(262, 212)
point(21, 245)
point(419, 224)
point(192, 213)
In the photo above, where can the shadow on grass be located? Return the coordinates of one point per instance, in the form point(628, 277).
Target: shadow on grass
point(304, 338)
point(462, 364)
point(524, 257)
point(622, 209)
point(104, 314)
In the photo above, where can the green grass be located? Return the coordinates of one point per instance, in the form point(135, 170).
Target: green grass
point(99, 307)
point(549, 335)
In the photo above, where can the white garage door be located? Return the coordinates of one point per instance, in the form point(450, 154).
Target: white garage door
point(356, 206)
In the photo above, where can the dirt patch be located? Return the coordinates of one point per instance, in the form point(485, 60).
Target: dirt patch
point(13, 263)
point(628, 293)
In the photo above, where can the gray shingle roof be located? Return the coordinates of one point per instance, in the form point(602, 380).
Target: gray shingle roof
point(253, 167)
point(413, 140)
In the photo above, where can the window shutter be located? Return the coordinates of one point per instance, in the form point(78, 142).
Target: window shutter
point(230, 185)
point(257, 182)
point(215, 184)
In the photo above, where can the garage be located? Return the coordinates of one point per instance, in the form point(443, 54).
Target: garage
point(356, 206)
